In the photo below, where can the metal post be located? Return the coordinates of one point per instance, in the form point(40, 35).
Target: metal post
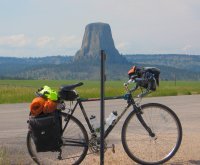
point(175, 79)
point(102, 113)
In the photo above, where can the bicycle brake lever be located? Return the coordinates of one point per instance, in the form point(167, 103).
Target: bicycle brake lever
point(128, 82)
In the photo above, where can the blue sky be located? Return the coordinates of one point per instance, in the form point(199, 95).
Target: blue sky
point(35, 28)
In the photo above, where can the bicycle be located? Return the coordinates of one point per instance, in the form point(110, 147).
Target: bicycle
point(151, 134)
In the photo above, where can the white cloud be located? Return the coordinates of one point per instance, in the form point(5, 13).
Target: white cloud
point(43, 41)
point(187, 49)
point(69, 40)
point(122, 45)
point(18, 40)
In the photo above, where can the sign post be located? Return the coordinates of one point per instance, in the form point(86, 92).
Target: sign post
point(102, 107)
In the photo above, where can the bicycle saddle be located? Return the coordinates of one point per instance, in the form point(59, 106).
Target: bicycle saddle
point(70, 87)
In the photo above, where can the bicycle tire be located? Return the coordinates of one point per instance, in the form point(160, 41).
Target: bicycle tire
point(70, 154)
point(147, 150)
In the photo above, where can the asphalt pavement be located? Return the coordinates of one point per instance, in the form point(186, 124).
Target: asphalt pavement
point(14, 127)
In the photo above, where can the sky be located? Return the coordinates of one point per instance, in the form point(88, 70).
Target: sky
point(37, 28)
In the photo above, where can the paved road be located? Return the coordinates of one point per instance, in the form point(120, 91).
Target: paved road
point(13, 117)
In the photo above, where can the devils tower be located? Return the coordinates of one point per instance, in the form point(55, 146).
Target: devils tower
point(98, 37)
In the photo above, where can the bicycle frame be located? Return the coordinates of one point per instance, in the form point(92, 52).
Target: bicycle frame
point(79, 102)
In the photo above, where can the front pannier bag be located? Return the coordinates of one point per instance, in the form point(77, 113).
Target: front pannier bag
point(150, 76)
point(46, 132)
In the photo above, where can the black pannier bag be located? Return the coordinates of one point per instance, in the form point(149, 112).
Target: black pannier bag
point(154, 71)
point(68, 95)
point(150, 76)
point(46, 132)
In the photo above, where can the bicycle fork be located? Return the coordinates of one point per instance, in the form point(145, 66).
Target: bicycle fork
point(140, 118)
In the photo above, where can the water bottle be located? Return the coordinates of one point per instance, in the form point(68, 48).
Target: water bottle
point(94, 123)
point(111, 118)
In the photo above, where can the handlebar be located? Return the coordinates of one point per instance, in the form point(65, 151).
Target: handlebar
point(138, 82)
point(127, 84)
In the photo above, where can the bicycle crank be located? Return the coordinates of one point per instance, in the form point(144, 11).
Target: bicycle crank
point(94, 145)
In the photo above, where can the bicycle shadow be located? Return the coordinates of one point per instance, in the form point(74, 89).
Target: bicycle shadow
point(194, 161)
point(189, 162)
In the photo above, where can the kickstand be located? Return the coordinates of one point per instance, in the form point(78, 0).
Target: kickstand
point(113, 148)
point(59, 155)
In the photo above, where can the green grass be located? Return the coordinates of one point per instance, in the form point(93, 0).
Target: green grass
point(4, 158)
point(168, 88)
point(16, 91)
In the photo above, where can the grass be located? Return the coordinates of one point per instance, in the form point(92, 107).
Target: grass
point(18, 91)
point(168, 88)
point(4, 158)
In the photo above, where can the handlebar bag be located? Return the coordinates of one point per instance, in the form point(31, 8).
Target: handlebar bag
point(46, 132)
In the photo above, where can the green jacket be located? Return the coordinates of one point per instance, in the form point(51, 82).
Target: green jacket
point(49, 93)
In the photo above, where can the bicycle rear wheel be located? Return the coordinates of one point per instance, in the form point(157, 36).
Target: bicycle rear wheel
point(143, 148)
point(74, 147)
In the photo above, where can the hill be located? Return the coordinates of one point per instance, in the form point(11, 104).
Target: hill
point(12, 67)
point(184, 67)
point(186, 62)
point(86, 62)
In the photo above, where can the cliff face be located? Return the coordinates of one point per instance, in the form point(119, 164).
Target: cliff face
point(98, 36)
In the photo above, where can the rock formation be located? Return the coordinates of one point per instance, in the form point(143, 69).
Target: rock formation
point(98, 37)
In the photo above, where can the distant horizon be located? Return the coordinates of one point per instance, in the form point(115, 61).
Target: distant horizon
point(121, 54)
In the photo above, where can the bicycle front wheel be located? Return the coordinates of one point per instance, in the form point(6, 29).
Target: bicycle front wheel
point(151, 150)
point(74, 145)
